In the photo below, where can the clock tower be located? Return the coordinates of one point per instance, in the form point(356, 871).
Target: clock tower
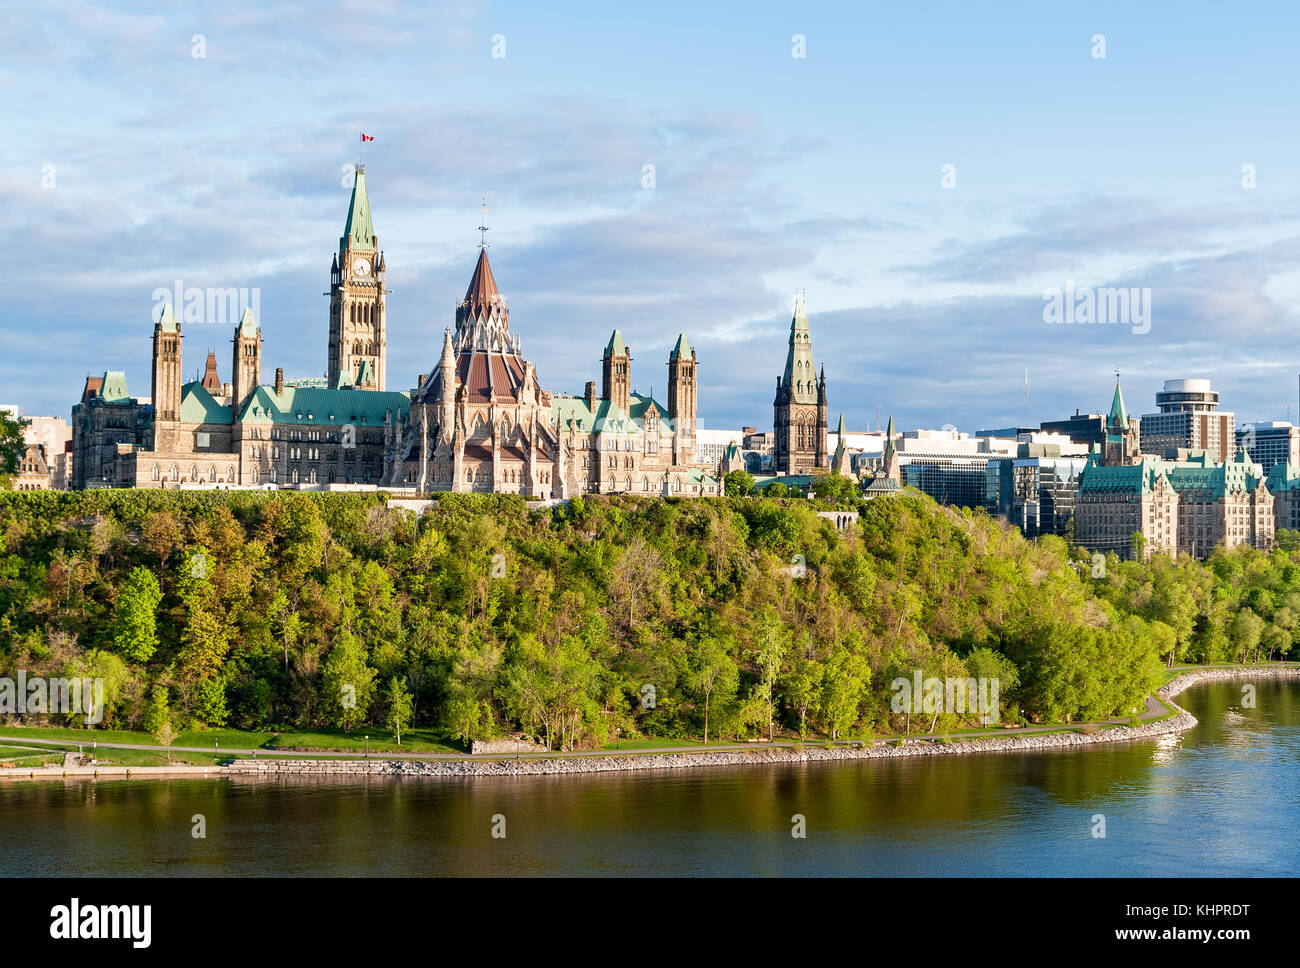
point(358, 327)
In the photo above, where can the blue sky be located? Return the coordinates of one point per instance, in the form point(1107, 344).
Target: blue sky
point(772, 173)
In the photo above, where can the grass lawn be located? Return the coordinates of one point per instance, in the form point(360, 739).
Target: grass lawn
point(381, 740)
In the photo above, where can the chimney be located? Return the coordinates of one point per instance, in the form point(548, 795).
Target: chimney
point(591, 395)
point(279, 380)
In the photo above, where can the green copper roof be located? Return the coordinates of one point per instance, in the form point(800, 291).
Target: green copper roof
point(367, 374)
point(359, 233)
point(1283, 477)
point(1197, 478)
point(113, 389)
point(682, 349)
point(607, 417)
point(1118, 415)
point(800, 376)
point(889, 437)
point(616, 346)
point(198, 406)
point(247, 324)
point(168, 319)
point(324, 407)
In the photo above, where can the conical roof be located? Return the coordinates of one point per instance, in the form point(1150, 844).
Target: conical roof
point(482, 289)
point(1118, 418)
point(359, 232)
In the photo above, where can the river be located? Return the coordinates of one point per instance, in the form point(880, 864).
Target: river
point(1220, 800)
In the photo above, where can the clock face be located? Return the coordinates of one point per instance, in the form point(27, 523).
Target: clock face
point(361, 267)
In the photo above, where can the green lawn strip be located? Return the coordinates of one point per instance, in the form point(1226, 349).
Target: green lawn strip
point(381, 740)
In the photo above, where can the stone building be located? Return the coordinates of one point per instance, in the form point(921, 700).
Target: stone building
point(1177, 506)
point(245, 433)
point(799, 414)
point(480, 421)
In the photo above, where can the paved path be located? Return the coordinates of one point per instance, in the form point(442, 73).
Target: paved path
point(1154, 708)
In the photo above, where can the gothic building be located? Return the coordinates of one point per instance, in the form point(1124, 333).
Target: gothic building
point(799, 410)
point(358, 326)
point(480, 420)
point(247, 433)
point(1174, 506)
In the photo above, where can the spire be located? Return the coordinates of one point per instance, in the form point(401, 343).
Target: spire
point(448, 351)
point(800, 375)
point(168, 319)
point(359, 233)
point(682, 349)
point(210, 379)
point(247, 324)
point(889, 438)
point(482, 291)
point(616, 346)
point(1118, 418)
point(840, 429)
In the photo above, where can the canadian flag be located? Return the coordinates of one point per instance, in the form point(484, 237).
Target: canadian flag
point(366, 137)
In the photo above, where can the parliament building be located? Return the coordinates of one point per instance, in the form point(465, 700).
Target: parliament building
point(479, 421)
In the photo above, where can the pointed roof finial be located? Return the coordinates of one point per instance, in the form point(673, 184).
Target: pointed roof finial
point(483, 227)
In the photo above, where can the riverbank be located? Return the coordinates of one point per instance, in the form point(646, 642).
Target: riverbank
point(619, 762)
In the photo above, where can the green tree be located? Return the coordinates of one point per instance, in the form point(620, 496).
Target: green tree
point(347, 684)
point(399, 706)
point(739, 484)
point(713, 671)
point(12, 447)
point(158, 718)
point(135, 618)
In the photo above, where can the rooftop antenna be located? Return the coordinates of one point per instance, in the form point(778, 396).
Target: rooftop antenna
point(483, 227)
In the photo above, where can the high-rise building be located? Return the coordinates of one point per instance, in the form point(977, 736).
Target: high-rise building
point(1189, 420)
point(1270, 442)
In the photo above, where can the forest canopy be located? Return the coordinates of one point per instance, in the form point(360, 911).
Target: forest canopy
point(487, 615)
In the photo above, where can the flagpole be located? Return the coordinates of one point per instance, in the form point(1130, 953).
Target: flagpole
point(361, 147)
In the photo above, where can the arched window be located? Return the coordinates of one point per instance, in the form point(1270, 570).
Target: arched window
point(253, 475)
point(156, 475)
point(645, 483)
point(353, 312)
point(627, 483)
point(230, 474)
point(212, 472)
point(194, 472)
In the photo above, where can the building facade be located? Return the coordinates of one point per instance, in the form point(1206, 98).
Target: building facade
point(481, 422)
point(1189, 420)
point(1130, 502)
point(799, 411)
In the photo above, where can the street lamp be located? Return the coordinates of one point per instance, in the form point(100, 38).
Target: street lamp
point(618, 737)
point(367, 747)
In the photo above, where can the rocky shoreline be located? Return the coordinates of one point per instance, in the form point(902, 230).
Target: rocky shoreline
point(1178, 723)
point(556, 765)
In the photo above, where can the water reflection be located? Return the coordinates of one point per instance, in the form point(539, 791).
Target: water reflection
point(1209, 802)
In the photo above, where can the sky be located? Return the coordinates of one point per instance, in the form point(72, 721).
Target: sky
point(926, 174)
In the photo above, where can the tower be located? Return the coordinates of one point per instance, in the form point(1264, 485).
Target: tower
point(892, 470)
point(1122, 441)
point(246, 362)
point(617, 373)
point(682, 400)
point(358, 324)
point(166, 372)
point(799, 410)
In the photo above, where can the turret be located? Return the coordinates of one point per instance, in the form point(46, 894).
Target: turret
point(166, 367)
point(616, 372)
point(246, 365)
